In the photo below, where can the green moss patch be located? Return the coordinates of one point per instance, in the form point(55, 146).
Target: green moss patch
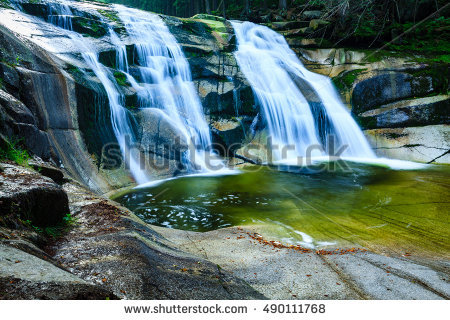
point(345, 80)
point(121, 78)
point(438, 72)
point(5, 4)
point(89, 27)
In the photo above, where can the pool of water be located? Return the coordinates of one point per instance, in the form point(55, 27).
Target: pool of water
point(337, 205)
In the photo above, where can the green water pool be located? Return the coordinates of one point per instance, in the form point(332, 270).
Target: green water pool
point(361, 205)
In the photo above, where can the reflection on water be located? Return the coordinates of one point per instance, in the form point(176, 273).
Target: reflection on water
point(405, 211)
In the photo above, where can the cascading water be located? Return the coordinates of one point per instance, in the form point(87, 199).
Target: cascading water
point(276, 75)
point(167, 81)
point(61, 15)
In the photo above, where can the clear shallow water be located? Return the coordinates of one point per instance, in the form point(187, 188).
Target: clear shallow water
point(371, 206)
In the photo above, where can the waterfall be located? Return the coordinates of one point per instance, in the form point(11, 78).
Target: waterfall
point(165, 82)
point(61, 15)
point(162, 64)
point(302, 108)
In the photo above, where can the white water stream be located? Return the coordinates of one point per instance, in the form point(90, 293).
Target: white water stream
point(275, 72)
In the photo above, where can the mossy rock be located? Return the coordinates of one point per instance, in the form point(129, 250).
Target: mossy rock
point(5, 4)
point(287, 25)
point(345, 80)
point(301, 42)
point(108, 57)
point(89, 27)
point(111, 15)
point(37, 9)
point(203, 16)
point(194, 26)
point(121, 78)
point(438, 72)
point(193, 51)
point(318, 23)
point(216, 26)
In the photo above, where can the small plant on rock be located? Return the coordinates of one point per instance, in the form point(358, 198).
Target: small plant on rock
point(14, 152)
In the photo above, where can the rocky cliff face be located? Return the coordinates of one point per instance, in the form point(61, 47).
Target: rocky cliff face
point(51, 99)
point(402, 102)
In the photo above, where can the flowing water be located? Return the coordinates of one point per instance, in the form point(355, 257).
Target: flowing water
point(317, 206)
point(371, 206)
point(167, 82)
point(302, 108)
point(61, 15)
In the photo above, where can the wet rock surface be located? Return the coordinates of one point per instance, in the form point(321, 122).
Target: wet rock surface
point(295, 274)
point(402, 105)
point(418, 112)
point(26, 195)
point(51, 98)
point(107, 253)
point(24, 276)
point(114, 248)
point(110, 253)
point(429, 144)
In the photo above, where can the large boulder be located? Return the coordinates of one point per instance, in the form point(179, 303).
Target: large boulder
point(16, 120)
point(71, 121)
point(313, 14)
point(408, 113)
point(26, 195)
point(159, 134)
point(430, 144)
point(229, 135)
point(388, 87)
point(25, 276)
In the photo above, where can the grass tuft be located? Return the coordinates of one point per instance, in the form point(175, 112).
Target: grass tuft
point(14, 152)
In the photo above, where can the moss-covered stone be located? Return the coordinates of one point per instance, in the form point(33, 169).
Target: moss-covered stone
point(89, 27)
point(438, 72)
point(211, 17)
point(346, 79)
point(287, 25)
point(121, 78)
point(35, 8)
point(5, 4)
point(110, 15)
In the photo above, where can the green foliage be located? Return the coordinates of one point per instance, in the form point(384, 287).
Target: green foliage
point(110, 15)
point(69, 220)
point(121, 78)
point(346, 79)
point(15, 152)
point(429, 37)
point(5, 4)
point(53, 231)
point(188, 8)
